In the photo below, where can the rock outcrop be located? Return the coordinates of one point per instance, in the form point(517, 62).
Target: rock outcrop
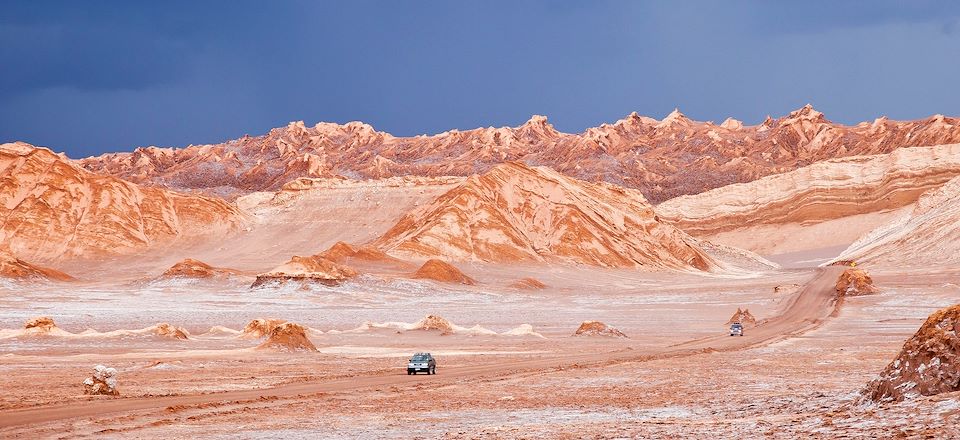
point(516, 213)
point(103, 382)
point(288, 337)
point(663, 159)
point(926, 236)
point(40, 325)
point(54, 209)
point(855, 282)
point(597, 328)
point(312, 269)
point(928, 364)
point(442, 271)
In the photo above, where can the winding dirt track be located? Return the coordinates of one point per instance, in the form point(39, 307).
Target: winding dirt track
point(807, 310)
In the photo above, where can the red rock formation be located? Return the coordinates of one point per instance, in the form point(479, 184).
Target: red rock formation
point(928, 364)
point(663, 159)
point(438, 270)
point(288, 337)
point(53, 208)
point(312, 269)
point(15, 268)
point(341, 252)
point(855, 282)
point(518, 213)
point(528, 284)
point(40, 324)
point(597, 328)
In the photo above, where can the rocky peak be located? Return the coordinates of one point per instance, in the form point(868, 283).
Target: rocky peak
point(536, 128)
point(674, 118)
point(732, 124)
point(806, 113)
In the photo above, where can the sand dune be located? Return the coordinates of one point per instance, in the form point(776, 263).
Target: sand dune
point(518, 213)
point(844, 191)
point(927, 235)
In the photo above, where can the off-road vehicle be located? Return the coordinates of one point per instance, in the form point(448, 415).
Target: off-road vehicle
point(422, 362)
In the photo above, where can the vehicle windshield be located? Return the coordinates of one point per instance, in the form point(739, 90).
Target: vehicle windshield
point(420, 358)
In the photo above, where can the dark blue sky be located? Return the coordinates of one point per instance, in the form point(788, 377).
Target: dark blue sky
point(94, 76)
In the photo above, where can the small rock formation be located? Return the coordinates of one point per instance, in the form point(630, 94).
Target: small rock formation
point(103, 382)
point(340, 252)
point(744, 317)
point(785, 288)
point(528, 284)
point(190, 268)
point(289, 337)
point(15, 268)
point(597, 328)
point(928, 364)
point(438, 270)
point(40, 325)
point(854, 282)
point(168, 331)
point(434, 322)
point(310, 269)
point(260, 327)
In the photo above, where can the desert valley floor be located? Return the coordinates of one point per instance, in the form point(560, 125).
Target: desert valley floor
point(276, 286)
point(542, 382)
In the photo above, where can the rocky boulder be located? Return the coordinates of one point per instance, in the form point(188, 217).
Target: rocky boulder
point(928, 364)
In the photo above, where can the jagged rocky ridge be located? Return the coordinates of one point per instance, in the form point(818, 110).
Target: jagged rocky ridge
point(663, 159)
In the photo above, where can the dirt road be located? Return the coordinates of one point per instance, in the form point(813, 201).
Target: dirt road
point(807, 309)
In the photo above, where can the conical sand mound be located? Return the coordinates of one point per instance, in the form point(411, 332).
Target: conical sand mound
point(288, 337)
point(433, 322)
point(314, 269)
point(260, 327)
point(597, 328)
point(168, 331)
point(190, 268)
point(743, 317)
point(438, 270)
point(528, 284)
point(341, 253)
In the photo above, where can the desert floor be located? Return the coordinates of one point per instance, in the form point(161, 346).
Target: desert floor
point(797, 375)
